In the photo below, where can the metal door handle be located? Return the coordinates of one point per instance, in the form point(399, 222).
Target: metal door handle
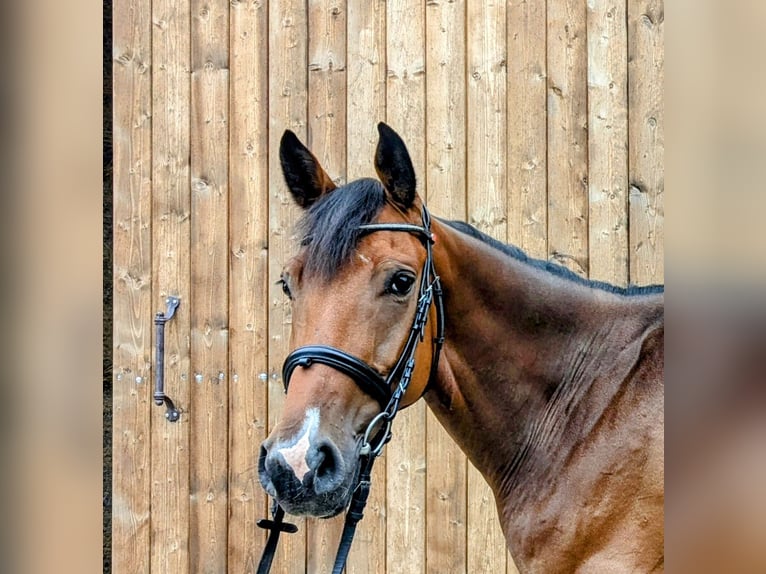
point(160, 398)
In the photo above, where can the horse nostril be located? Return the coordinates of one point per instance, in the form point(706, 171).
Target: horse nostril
point(328, 468)
point(264, 473)
point(327, 464)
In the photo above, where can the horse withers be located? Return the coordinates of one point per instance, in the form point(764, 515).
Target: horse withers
point(550, 383)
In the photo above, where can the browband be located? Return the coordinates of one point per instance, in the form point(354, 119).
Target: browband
point(408, 227)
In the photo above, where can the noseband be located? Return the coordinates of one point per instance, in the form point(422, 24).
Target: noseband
point(387, 390)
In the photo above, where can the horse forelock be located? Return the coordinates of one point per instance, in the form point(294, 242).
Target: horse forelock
point(329, 230)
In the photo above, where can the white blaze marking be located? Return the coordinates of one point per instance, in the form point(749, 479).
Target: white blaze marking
point(295, 455)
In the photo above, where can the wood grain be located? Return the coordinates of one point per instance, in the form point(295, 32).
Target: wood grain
point(567, 135)
point(209, 321)
point(486, 118)
point(366, 84)
point(132, 311)
point(608, 140)
point(248, 279)
point(209, 292)
point(527, 128)
point(646, 75)
point(171, 237)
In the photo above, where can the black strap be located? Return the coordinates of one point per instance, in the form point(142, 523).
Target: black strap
point(275, 527)
point(370, 381)
point(354, 514)
point(408, 227)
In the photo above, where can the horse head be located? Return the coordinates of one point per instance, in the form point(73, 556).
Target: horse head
point(361, 289)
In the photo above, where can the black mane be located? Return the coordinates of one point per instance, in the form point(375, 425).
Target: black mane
point(550, 267)
point(330, 230)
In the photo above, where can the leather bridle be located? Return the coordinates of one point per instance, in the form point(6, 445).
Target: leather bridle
point(387, 390)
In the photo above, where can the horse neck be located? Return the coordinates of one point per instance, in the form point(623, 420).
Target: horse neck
point(522, 346)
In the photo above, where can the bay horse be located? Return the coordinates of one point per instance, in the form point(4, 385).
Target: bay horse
point(551, 384)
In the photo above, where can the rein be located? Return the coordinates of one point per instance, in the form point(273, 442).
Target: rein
point(388, 391)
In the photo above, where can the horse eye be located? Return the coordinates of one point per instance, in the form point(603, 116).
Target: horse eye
point(401, 283)
point(285, 287)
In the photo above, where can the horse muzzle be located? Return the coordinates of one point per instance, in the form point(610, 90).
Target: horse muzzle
point(308, 477)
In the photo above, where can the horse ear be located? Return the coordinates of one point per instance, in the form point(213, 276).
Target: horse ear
point(305, 178)
point(394, 166)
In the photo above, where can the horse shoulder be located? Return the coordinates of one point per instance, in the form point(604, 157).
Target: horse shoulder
point(637, 532)
point(624, 518)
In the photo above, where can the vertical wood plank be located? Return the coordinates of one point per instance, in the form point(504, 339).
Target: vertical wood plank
point(406, 456)
point(366, 84)
point(527, 128)
point(608, 140)
point(446, 486)
point(132, 310)
point(171, 228)
point(487, 201)
point(646, 74)
point(486, 118)
point(567, 134)
point(327, 85)
point(210, 290)
point(446, 92)
point(327, 140)
point(288, 105)
point(365, 107)
point(209, 324)
point(248, 279)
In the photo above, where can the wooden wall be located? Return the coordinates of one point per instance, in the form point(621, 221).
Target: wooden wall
point(541, 122)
